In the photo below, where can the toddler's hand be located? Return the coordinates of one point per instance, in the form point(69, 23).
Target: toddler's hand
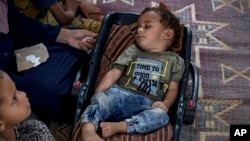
point(160, 104)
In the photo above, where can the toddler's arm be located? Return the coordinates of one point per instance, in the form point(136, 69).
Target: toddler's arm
point(169, 97)
point(171, 94)
point(108, 79)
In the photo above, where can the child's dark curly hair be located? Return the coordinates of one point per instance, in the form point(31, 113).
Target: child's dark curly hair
point(169, 20)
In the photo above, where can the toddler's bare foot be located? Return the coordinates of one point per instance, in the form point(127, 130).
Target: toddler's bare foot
point(89, 133)
point(111, 128)
point(91, 11)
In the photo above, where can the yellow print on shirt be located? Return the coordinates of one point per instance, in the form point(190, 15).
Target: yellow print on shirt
point(146, 75)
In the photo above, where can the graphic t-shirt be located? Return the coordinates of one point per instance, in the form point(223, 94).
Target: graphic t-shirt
point(148, 73)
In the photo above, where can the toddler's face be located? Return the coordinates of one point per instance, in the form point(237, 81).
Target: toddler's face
point(14, 104)
point(150, 32)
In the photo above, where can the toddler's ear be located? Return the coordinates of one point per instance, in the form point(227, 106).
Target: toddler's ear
point(169, 34)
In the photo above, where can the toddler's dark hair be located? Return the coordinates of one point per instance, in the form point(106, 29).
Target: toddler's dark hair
point(169, 20)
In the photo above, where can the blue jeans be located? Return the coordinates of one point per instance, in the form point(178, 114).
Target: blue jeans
point(117, 104)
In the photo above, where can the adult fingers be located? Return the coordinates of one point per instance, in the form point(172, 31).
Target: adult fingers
point(89, 34)
point(87, 44)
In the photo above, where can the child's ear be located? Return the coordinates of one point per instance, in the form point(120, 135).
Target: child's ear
point(169, 34)
point(2, 126)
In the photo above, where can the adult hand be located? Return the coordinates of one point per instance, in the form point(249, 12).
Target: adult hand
point(160, 104)
point(75, 38)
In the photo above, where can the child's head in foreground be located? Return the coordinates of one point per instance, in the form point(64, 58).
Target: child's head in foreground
point(158, 30)
point(14, 104)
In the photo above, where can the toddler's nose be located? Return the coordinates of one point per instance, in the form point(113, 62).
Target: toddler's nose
point(139, 30)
